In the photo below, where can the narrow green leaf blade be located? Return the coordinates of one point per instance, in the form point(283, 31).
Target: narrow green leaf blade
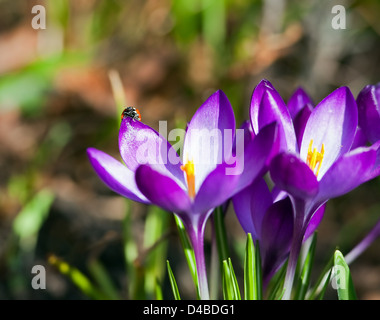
point(304, 280)
point(188, 250)
point(228, 291)
point(324, 288)
point(221, 234)
point(103, 279)
point(258, 275)
point(342, 280)
point(158, 291)
point(78, 278)
point(249, 269)
point(321, 281)
point(173, 282)
point(234, 281)
point(30, 219)
point(276, 286)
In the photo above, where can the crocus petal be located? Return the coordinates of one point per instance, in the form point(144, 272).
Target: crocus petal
point(250, 206)
point(300, 121)
point(247, 136)
point(332, 123)
point(211, 127)
point(267, 106)
point(369, 111)
point(277, 232)
point(140, 144)
point(314, 222)
point(217, 188)
point(115, 175)
point(360, 139)
point(242, 207)
point(162, 190)
point(347, 173)
point(294, 176)
point(375, 172)
point(257, 155)
point(297, 102)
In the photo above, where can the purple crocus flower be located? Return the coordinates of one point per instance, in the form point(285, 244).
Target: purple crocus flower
point(369, 111)
point(269, 217)
point(270, 223)
point(325, 166)
point(300, 107)
point(267, 106)
point(209, 174)
point(297, 102)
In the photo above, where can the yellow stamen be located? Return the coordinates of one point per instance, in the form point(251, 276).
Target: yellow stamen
point(314, 157)
point(188, 168)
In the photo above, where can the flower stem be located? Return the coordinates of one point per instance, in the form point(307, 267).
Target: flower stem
point(196, 235)
point(295, 249)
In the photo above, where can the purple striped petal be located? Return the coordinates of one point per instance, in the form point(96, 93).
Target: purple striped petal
point(250, 206)
point(314, 222)
point(298, 101)
point(115, 175)
point(369, 111)
point(360, 139)
point(257, 155)
point(277, 233)
point(162, 190)
point(332, 123)
point(347, 173)
point(216, 189)
point(140, 144)
point(242, 207)
point(267, 106)
point(375, 172)
point(212, 126)
point(294, 176)
point(300, 121)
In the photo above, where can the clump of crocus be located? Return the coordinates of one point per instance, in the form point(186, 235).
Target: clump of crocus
point(321, 165)
point(209, 173)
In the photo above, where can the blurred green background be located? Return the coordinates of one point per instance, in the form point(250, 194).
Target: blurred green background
point(61, 91)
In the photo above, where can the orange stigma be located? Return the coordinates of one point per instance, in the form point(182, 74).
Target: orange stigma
point(188, 168)
point(314, 158)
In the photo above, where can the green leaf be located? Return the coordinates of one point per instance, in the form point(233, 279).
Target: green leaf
point(155, 247)
point(77, 277)
point(258, 275)
point(321, 281)
point(103, 279)
point(188, 250)
point(342, 280)
point(249, 269)
point(158, 291)
point(304, 280)
point(277, 284)
point(327, 281)
point(230, 285)
point(234, 281)
point(30, 219)
point(173, 282)
point(135, 271)
point(221, 234)
point(228, 292)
